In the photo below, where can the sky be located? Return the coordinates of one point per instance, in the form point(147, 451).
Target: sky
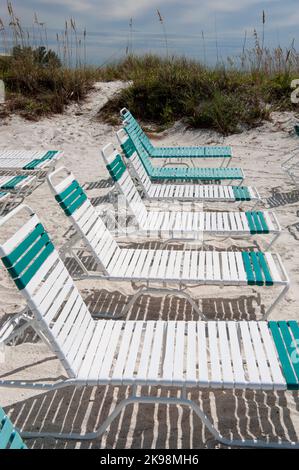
point(208, 30)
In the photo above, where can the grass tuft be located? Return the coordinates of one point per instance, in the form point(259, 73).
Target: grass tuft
point(227, 99)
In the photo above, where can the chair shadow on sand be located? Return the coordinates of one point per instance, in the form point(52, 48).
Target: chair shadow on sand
point(100, 184)
point(238, 414)
point(279, 198)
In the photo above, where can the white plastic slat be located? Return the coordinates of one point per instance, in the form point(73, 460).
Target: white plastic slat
point(117, 375)
point(252, 370)
point(273, 269)
point(202, 266)
point(240, 267)
point(156, 355)
point(227, 372)
point(265, 375)
point(179, 354)
point(146, 352)
point(216, 377)
point(91, 356)
point(95, 351)
point(226, 276)
point(19, 236)
point(105, 371)
point(128, 375)
point(233, 266)
point(191, 358)
point(203, 372)
point(272, 356)
point(239, 376)
point(168, 363)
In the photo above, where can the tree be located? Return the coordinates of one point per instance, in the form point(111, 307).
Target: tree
point(40, 56)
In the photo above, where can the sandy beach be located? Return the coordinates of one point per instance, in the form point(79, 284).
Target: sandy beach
point(260, 152)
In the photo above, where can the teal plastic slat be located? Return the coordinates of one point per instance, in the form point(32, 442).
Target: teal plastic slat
point(286, 365)
point(33, 164)
point(12, 258)
point(265, 228)
point(9, 437)
point(257, 222)
point(128, 148)
point(71, 198)
point(49, 155)
point(250, 222)
point(265, 268)
point(74, 185)
point(248, 269)
point(69, 210)
point(11, 184)
point(116, 168)
point(290, 347)
point(19, 267)
point(5, 433)
point(17, 442)
point(259, 279)
point(22, 281)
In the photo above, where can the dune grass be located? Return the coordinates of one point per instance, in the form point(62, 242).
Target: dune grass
point(225, 98)
point(39, 80)
point(34, 90)
point(228, 97)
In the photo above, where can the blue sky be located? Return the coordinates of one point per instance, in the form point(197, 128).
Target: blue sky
point(222, 21)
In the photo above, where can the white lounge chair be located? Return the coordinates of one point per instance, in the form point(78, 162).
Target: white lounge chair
point(185, 191)
point(168, 267)
point(211, 355)
point(14, 187)
point(21, 172)
point(182, 224)
point(28, 160)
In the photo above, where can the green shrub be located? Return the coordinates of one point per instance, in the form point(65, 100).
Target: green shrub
point(227, 100)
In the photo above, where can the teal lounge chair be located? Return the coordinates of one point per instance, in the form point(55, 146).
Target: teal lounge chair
point(134, 128)
point(131, 146)
point(9, 437)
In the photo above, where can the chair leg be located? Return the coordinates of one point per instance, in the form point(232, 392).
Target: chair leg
point(166, 292)
point(149, 290)
point(163, 401)
point(276, 301)
point(14, 327)
point(271, 243)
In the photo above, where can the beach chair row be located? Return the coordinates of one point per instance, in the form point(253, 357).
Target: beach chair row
point(204, 354)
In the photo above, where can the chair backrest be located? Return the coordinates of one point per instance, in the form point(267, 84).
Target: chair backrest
point(133, 127)
point(134, 130)
point(133, 145)
point(73, 200)
point(41, 277)
point(122, 178)
point(135, 161)
point(9, 437)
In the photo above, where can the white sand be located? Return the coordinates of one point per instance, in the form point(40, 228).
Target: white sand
point(260, 153)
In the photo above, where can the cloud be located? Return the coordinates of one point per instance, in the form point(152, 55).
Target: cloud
point(184, 21)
